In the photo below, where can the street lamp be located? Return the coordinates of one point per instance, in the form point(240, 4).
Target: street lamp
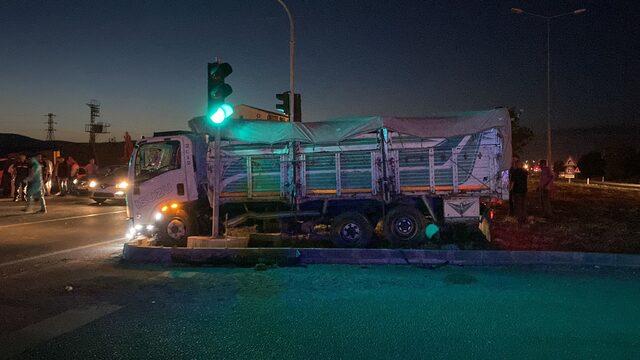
point(548, 19)
point(292, 46)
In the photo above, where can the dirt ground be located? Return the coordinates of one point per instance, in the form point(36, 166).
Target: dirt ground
point(585, 218)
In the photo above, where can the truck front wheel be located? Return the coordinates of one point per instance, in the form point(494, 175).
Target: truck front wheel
point(175, 230)
point(404, 225)
point(351, 229)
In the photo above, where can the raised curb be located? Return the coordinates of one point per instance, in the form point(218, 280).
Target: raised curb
point(293, 256)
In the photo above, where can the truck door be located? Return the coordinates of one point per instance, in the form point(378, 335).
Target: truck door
point(159, 175)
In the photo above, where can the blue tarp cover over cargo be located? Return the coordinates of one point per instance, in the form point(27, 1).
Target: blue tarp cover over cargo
point(338, 130)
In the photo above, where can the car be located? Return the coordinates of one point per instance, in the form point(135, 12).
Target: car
point(111, 185)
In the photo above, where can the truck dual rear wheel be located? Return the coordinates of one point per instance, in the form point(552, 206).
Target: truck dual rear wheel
point(351, 229)
point(404, 226)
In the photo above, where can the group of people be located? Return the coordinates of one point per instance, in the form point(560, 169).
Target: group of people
point(31, 180)
point(518, 187)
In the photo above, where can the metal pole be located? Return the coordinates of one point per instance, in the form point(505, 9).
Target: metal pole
point(215, 225)
point(292, 46)
point(549, 159)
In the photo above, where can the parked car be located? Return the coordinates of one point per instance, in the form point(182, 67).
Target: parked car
point(110, 185)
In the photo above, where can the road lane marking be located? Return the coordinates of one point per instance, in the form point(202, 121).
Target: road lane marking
point(61, 219)
point(29, 337)
point(36, 257)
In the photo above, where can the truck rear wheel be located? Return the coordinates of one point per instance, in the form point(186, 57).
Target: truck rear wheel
point(404, 225)
point(351, 229)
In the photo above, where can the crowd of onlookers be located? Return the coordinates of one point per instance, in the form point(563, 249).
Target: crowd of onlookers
point(32, 179)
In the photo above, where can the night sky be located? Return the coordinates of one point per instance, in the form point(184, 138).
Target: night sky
point(145, 61)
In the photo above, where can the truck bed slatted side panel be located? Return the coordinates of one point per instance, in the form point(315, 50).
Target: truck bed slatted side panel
point(235, 175)
point(467, 160)
point(443, 172)
point(414, 167)
point(265, 175)
point(471, 155)
point(320, 171)
point(355, 171)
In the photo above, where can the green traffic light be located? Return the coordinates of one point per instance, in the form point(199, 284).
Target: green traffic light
point(223, 112)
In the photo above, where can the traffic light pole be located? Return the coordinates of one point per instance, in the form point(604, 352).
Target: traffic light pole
point(215, 223)
point(292, 46)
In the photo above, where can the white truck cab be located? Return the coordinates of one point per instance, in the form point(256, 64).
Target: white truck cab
point(163, 174)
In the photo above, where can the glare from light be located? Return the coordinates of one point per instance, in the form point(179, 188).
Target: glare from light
point(158, 216)
point(174, 206)
point(119, 193)
point(138, 227)
point(223, 112)
point(122, 185)
point(130, 236)
point(164, 208)
point(132, 231)
point(150, 227)
point(93, 184)
point(75, 181)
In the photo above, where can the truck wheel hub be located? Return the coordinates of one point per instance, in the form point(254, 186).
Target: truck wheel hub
point(176, 229)
point(350, 232)
point(405, 226)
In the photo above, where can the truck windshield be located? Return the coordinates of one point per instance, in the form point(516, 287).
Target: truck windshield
point(153, 159)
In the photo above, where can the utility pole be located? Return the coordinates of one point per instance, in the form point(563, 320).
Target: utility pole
point(50, 129)
point(548, 21)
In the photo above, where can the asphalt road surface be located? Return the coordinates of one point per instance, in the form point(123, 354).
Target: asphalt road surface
point(65, 294)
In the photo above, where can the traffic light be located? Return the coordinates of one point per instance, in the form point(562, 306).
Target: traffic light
point(285, 105)
point(218, 90)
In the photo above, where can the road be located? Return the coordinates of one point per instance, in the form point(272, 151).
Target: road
point(65, 294)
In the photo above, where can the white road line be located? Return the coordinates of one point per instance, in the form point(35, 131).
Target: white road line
point(62, 219)
point(60, 252)
point(26, 338)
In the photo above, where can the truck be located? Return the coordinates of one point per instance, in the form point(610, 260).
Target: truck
point(413, 176)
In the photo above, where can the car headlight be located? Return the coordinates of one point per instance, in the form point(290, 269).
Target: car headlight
point(93, 184)
point(122, 185)
point(75, 181)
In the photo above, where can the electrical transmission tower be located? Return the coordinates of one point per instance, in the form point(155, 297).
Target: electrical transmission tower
point(50, 129)
point(94, 127)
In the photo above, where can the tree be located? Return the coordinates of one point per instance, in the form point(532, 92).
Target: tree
point(520, 135)
point(592, 164)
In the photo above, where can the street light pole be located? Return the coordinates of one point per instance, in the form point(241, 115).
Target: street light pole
point(548, 20)
point(292, 46)
point(549, 157)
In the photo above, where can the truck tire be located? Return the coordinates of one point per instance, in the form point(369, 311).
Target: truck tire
point(175, 230)
point(404, 226)
point(351, 229)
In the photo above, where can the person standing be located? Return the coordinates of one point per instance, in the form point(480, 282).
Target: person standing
point(546, 187)
point(34, 191)
point(518, 188)
point(47, 173)
point(21, 168)
point(62, 176)
point(514, 160)
point(91, 167)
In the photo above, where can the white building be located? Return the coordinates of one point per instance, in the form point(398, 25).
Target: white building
point(243, 111)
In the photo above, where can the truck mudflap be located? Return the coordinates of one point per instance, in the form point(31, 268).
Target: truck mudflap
point(462, 209)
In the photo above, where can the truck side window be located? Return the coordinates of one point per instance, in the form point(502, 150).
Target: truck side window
point(153, 159)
